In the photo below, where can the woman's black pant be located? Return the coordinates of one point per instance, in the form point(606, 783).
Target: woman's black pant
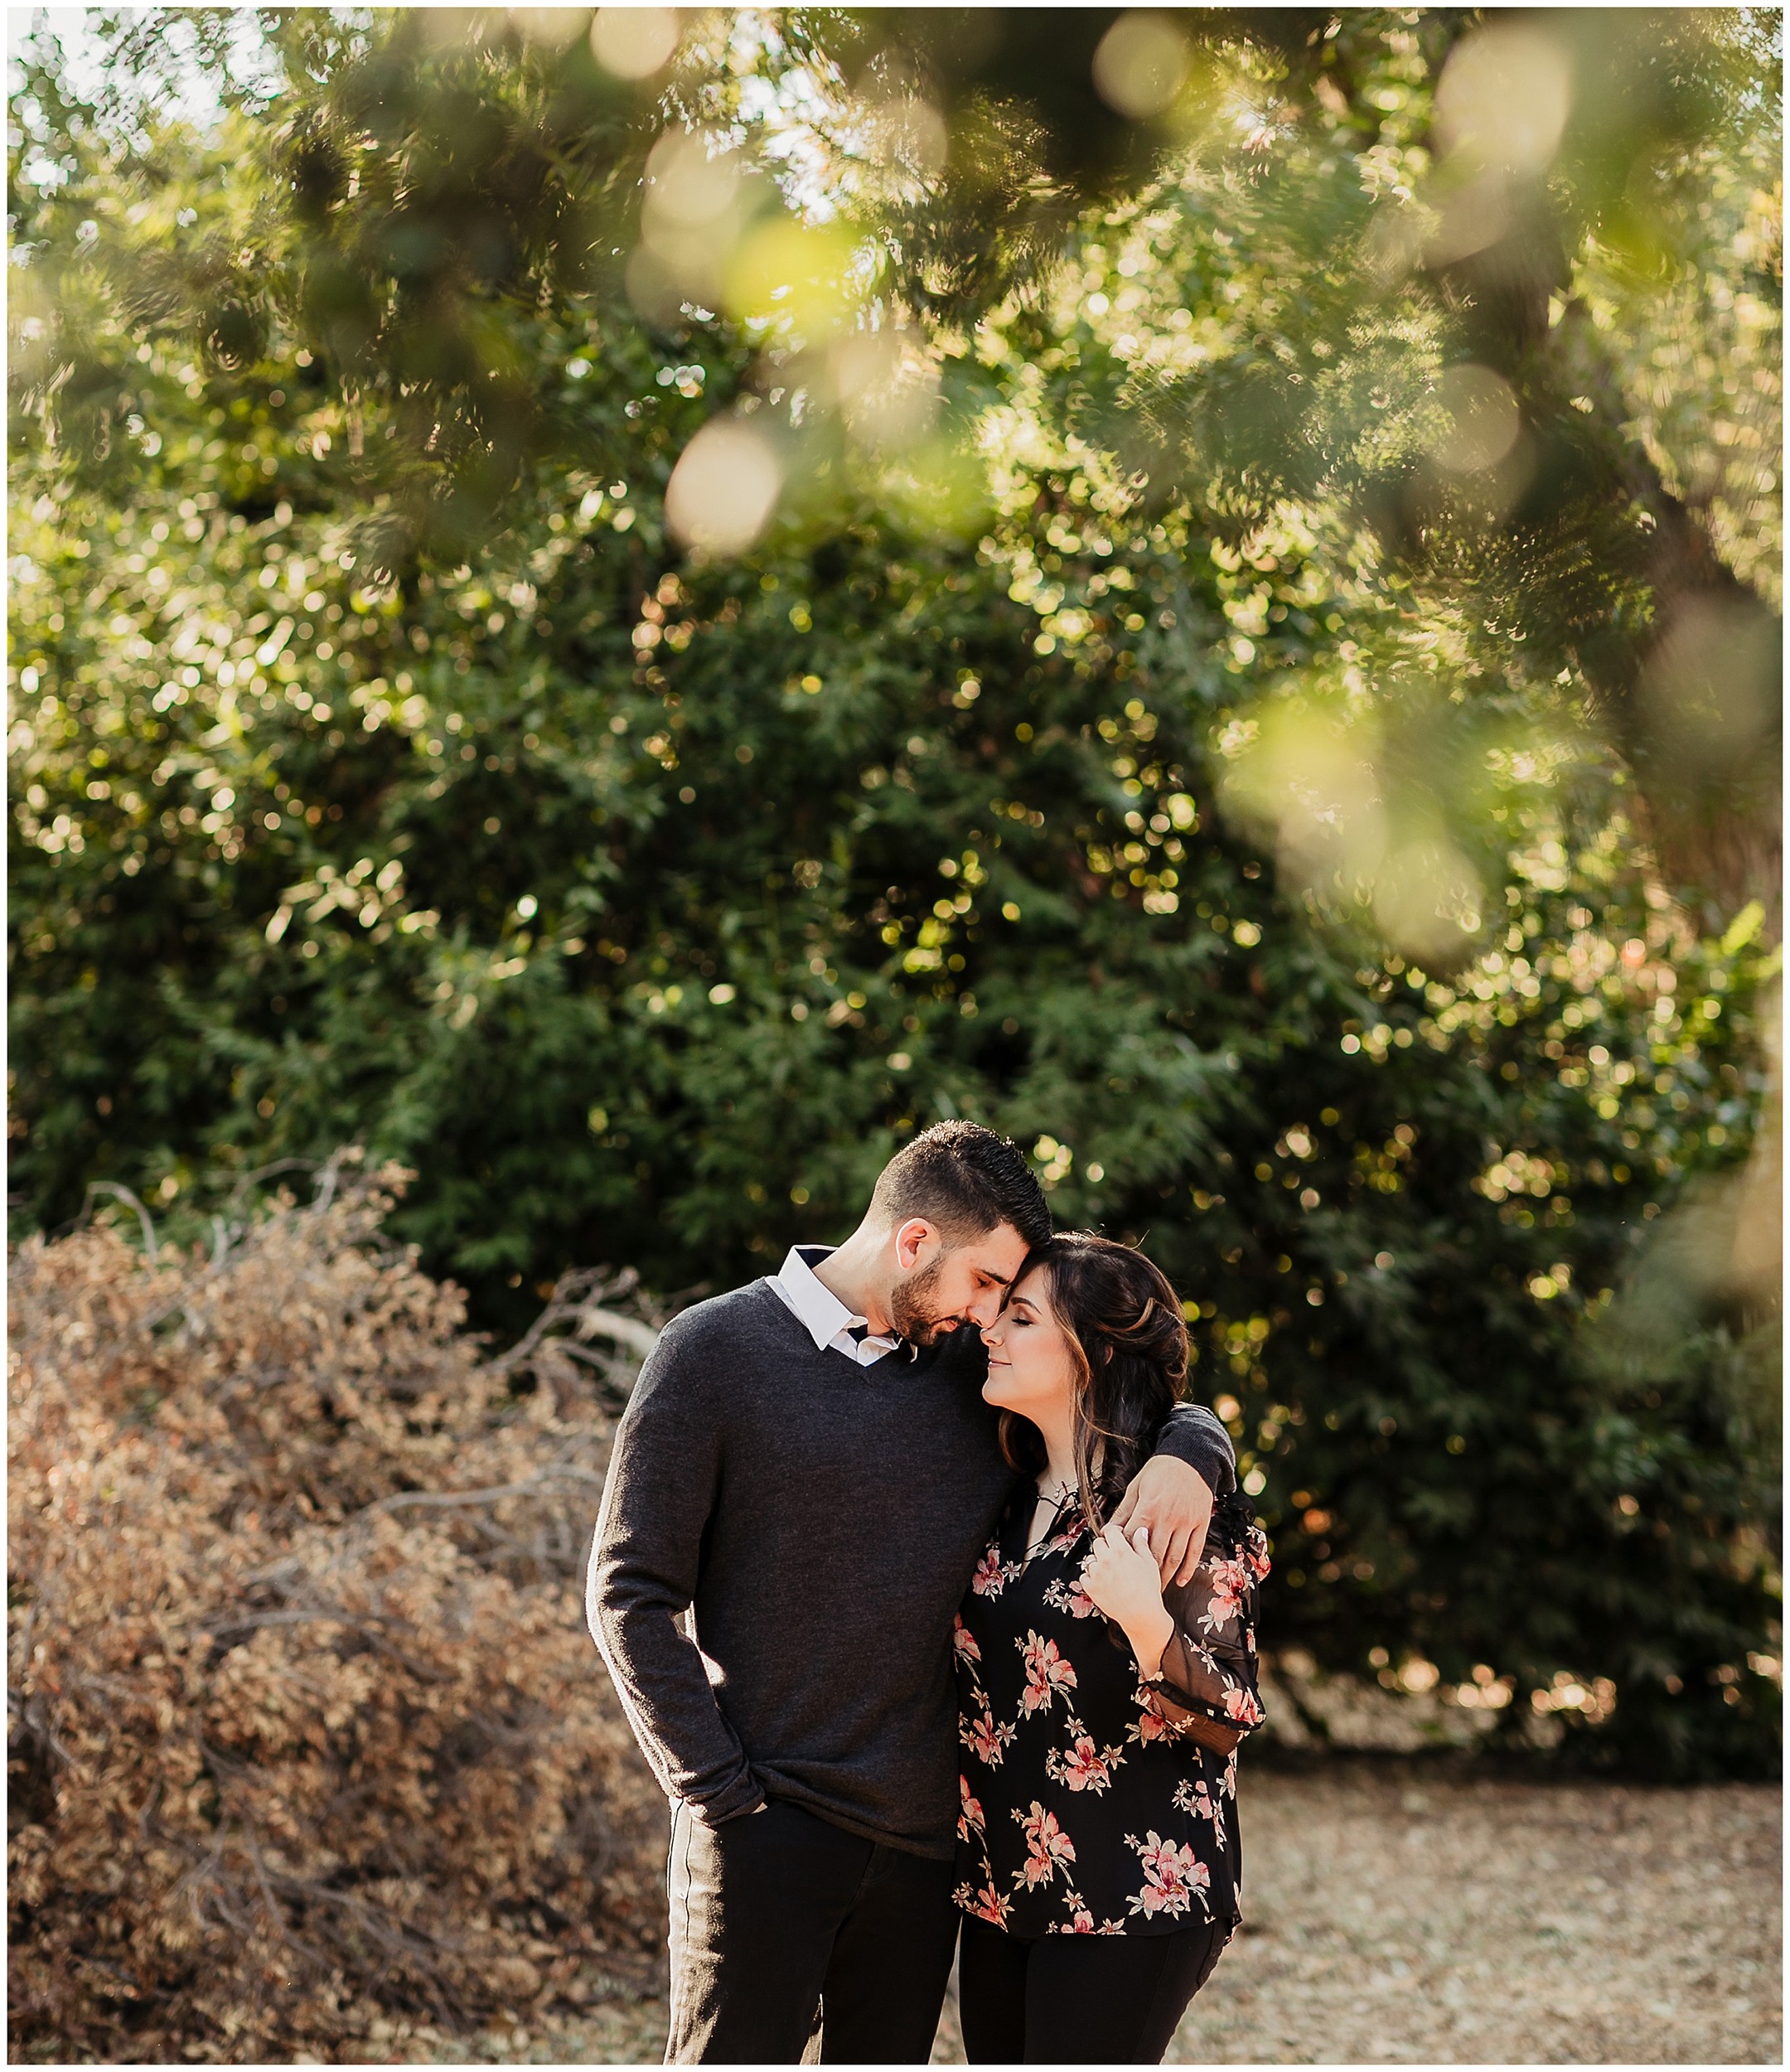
point(1078, 1999)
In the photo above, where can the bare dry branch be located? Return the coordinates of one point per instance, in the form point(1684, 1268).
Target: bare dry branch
point(122, 1194)
point(304, 1725)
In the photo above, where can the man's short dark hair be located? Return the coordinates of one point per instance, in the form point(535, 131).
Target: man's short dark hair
point(966, 1180)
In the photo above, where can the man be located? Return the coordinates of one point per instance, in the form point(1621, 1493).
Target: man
point(808, 1467)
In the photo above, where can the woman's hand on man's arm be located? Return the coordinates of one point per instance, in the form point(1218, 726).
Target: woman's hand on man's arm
point(1120, 1576)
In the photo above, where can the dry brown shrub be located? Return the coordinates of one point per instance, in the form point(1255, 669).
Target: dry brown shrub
point(306, 1730)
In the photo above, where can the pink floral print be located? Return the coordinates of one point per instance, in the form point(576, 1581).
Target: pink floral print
point(1063, 1541)
point(1068, 1754)
point(1229, 1580)
point(1239, 1705)
point(1194, 1795)
point(970, 1818)
point(1171, 1875)
point(1150, 1725)
point(1046, 1672)
point(1048, 1849)
point(1255, 1552)
point(986, 1905)
point(1071, 1598)
point(985, 1737)
point(1082, 1766)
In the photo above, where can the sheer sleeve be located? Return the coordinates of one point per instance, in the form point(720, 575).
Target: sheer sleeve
point(1208, 1692)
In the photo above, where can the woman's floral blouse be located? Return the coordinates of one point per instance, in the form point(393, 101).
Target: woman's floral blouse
point(1088, 1806)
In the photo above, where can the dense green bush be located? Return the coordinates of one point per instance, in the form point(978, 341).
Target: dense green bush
point(642, 905)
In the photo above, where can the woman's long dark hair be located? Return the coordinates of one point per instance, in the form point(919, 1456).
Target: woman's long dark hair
point(1129, 1344)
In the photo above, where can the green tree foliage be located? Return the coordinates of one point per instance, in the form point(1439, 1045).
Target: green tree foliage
point(1505, 294)
point(1065, 749)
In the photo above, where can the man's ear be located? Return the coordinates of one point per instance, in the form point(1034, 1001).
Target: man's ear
point(911, 1241)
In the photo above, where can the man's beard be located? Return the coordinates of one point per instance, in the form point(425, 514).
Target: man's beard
point(910, 1312)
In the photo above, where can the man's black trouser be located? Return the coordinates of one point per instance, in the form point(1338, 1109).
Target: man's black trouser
point(780, 1920)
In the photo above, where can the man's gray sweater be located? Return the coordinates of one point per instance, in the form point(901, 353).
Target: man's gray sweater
point(821, 1520)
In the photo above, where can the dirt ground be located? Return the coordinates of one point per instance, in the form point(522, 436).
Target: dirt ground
point(1402, 1912)
point(1398, 1917)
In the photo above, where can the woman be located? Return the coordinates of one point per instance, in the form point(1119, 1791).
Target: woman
point(1098, 1863)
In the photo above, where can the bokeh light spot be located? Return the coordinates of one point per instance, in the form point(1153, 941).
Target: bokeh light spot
point(633, 42)
point(1140, 65)
point(724, 489)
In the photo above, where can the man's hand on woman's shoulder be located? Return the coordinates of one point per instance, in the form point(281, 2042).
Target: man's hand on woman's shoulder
point(1174, 1502)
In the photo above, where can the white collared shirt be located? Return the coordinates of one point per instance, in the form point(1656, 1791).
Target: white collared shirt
point(829, 1323)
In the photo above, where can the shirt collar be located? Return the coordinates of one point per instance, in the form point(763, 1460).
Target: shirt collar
point(828, 1322)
